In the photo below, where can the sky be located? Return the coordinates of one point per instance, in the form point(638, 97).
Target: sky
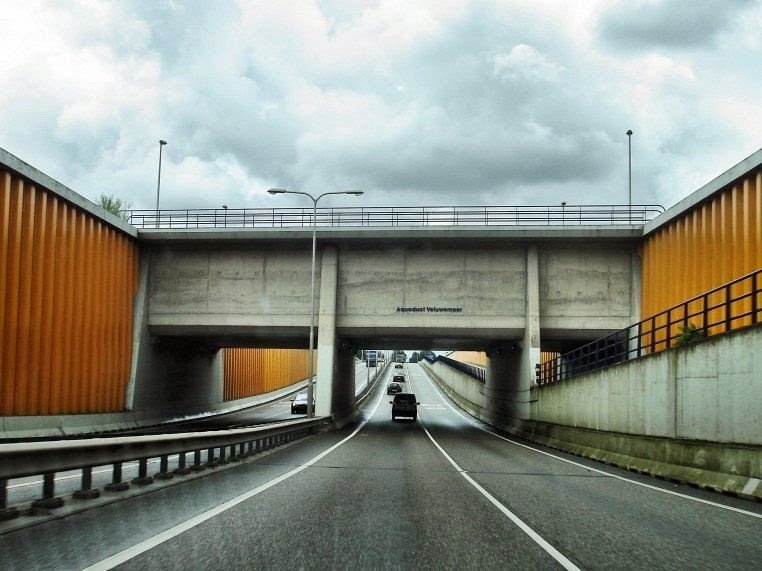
point(424, 103)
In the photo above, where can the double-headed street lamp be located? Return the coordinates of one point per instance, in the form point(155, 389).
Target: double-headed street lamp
point(310, 392)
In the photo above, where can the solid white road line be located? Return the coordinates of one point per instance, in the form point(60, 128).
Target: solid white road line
point(142, 547)
point(476, 424)
point(552, 551)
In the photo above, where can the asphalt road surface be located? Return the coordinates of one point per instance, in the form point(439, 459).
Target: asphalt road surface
point(440, 493)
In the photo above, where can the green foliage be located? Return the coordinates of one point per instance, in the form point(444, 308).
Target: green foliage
point(689, 334)
point(114, 205)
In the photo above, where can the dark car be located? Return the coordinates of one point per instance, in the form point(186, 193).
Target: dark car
point(299, 404)
point(399, 366)
point(399, 378)
point(404, 404)
point(393, 388)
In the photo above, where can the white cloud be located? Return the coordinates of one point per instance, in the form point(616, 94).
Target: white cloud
point(433, 102)
point(524, 62)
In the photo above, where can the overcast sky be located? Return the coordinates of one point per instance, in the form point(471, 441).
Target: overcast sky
point(417, 103)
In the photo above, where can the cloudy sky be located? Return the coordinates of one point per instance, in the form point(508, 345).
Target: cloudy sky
point(433, 102)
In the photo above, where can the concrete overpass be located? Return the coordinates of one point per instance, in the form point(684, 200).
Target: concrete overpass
point(500, 289)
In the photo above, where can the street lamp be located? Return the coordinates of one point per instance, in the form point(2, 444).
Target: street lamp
point(310, 392)
point(158, 181)
point(629, 175)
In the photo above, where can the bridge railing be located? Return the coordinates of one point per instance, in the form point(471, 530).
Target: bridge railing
point(381, 216)
point(475, 371)
point(18, 460)
point(735, 304)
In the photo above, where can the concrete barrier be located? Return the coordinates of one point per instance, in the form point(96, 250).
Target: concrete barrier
point(689, 415)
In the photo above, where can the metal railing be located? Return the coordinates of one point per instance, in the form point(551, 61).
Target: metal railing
point(381, 216)
point(221, 446)
point(735, 304)
point(478, 373)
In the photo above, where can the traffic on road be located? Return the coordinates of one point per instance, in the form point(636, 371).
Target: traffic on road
point(444, 491)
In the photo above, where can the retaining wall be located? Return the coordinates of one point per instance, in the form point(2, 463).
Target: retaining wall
point(689, 414)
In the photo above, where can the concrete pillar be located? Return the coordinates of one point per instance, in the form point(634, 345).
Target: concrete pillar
point(326, 341)
point(344, 405)
point(511, 365)
point(531, 343)
point(169, 376)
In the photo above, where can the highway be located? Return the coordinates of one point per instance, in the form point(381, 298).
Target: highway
point(442, 492)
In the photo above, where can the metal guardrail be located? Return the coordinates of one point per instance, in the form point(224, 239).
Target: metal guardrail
point(735, 304)
point(381, 216)
point(478, 373)
point(23, 459)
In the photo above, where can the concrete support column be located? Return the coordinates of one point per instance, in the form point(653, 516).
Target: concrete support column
point(139, 328)
point(511, 365)
point(531, 343)
point(169, 376)
point(326, 339)
point(344, 405)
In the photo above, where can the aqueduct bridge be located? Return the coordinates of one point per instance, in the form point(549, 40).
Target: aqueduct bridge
point(505, 290)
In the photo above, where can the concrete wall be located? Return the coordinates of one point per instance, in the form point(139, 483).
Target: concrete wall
point(710, 391)
point(262, 289)
point(232, 288)
point(466, 391)
point(588, 287)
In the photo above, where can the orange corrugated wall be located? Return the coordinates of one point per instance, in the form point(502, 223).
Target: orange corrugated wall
point(471, 357)
point(67, 283)
point(250, 372)
point(718, 240)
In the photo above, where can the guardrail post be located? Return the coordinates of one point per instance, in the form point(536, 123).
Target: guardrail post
point(86, 491)
point(181, 468)
point(211, 461)
point(223, 457)
point(197, 466)
point(117, 485)
point(143, 477)
point(164, 473)
point(48, 499)
point(6, 513)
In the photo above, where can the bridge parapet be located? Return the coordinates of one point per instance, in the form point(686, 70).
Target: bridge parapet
point(394, 216)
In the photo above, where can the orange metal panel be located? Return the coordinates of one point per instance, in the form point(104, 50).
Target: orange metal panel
point(51, 272)
point(5, 223)
point(110, 363)
point(24, 322)
point(37, 262)
point(12, 298)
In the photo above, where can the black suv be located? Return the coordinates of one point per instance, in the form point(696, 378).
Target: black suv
point(404, 404)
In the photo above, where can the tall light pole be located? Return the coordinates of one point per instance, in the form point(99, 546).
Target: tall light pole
point(629, 172)
point(310, 391)
point(162, 142)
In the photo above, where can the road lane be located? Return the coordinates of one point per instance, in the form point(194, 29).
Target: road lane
point(388, 498)
point(602, 521)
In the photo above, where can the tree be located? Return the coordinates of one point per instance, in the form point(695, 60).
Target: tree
point(114, 205)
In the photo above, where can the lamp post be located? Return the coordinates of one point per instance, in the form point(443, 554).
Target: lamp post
point(310, 392)
point(162, 142)
point(629, 172)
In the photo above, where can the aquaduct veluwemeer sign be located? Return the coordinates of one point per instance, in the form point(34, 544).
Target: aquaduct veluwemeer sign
point(429, 309)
